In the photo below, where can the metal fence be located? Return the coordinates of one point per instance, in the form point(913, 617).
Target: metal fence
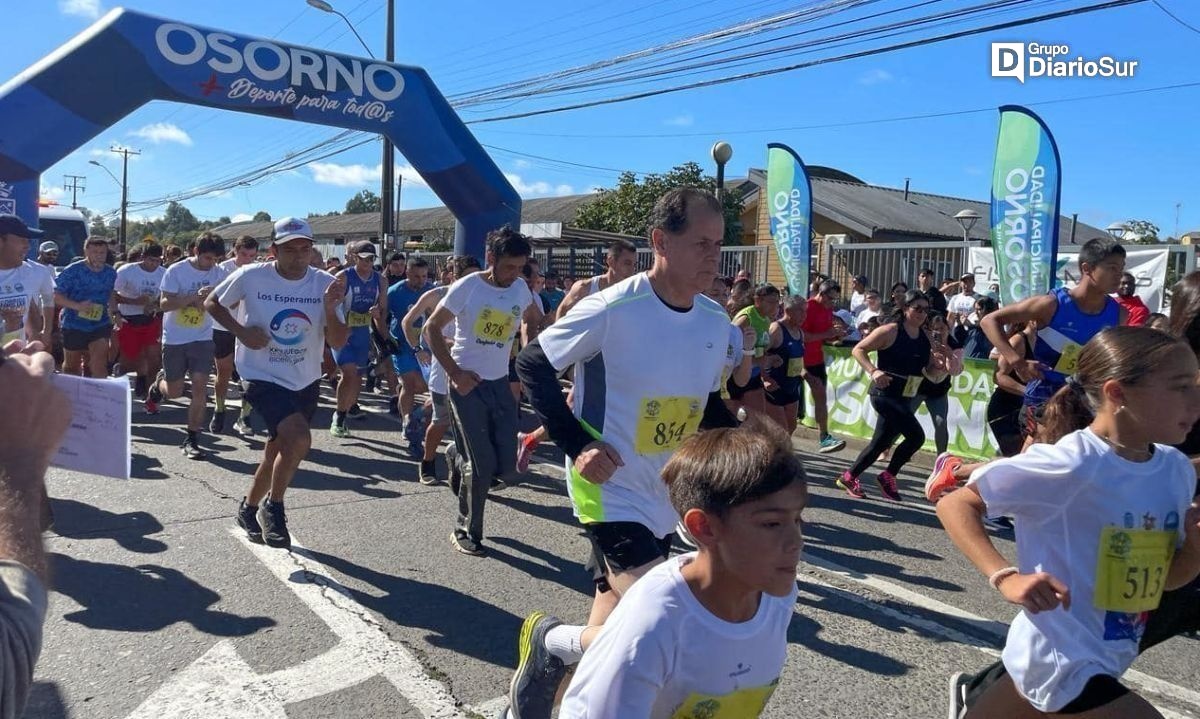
point(885, 263)
point(581, 262)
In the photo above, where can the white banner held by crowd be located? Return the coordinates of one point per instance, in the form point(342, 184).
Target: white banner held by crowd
point(1149, 266)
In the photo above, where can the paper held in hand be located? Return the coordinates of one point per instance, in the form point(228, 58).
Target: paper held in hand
point(98, 438)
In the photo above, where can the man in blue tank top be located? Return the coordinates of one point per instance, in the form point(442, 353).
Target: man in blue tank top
point(401, 298)
point(365, 304)
point(1066, 320)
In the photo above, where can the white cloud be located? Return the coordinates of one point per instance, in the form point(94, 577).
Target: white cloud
point(331, 173)
point(875, 77)
point(89, 9)
point(538, 188)
point(53, 193)
point(161, 132)
point(522, 164)
point(241, 217)
point(680, 121)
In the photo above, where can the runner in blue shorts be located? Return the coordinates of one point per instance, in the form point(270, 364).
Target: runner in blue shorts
point(366, 303)
point(401, 298)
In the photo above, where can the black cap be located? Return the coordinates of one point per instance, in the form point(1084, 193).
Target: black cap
point(13, 225)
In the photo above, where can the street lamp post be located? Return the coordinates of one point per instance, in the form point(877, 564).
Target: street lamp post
point(124, 196)
point(967, 219)
point(722, 152)
point(387, 181)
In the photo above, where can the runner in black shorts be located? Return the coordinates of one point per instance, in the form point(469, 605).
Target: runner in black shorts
point(289, 310)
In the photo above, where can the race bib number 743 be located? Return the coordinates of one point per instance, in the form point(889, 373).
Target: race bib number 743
point(664, 422)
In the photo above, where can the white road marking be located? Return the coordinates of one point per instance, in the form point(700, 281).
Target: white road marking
point(221, 684)
point(998, 630)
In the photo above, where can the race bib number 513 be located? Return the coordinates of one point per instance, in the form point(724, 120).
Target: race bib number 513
point(664, 422)
point(1131, 568)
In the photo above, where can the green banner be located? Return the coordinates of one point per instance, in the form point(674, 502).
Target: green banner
point(851, 414)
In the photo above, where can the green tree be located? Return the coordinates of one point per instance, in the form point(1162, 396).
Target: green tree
point(97, 226)
point(262, 216)
point(365, 201)
point(626, 207)
point(1141, 232)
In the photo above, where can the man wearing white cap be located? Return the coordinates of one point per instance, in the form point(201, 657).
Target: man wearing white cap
point(48, 253)
point(289, 311)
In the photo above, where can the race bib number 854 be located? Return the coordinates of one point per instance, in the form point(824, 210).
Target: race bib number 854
point(664, 422)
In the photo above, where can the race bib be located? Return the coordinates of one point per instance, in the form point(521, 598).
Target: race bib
point(749, 702)
point(664, 422)
point(912, 385)
point(1131, 568)
point(92, 313)
point(795, 367)
point(725, 386)
point(358, 319)
point(494, 325)
point(1068, 359)
point(190, 317)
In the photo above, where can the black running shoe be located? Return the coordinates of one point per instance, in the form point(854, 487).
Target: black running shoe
point(247, 520)
point(534, 685)
point(191, 449)
point(274, 525)
point(217, 424)
point(428, 475)
point(356, 412)
point(466, 545)
point(498, 485)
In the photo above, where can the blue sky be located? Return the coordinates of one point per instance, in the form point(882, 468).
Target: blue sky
point(1132, 156)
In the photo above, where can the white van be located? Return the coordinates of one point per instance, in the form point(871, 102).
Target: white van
point(66, 227)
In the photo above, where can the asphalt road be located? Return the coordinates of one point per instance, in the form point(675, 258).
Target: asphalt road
point(160, 610)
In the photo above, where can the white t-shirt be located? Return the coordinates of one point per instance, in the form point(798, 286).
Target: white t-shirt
point(189, 324)
point(293, 314)
point(858, 302)
point(643, 373)
point(962, 304)
point(27, 286)
point(1071, 500)
point(488, 320)
point(133, 281)
point(865, 316)
point(662, 655)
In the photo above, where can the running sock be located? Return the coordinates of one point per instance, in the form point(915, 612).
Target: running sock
point(566, 642)
point(428, 466)
point(246, 409)
point(220, 404)
point(531, 441)
point(339, 418)
point(191, 433)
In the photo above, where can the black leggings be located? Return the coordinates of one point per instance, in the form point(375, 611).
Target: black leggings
point(895, 418)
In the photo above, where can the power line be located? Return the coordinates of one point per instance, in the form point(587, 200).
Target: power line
point(811, 63)
point(1175, 17)
point(846, 123)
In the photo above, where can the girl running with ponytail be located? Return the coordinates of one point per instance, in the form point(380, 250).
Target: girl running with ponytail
point(1104, 524)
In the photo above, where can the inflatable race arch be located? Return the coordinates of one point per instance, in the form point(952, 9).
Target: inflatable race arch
point(127, 59)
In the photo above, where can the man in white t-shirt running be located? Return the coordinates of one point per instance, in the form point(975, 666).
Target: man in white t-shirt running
point(245, 252)
point(289, 310)
point(488, 309)
point(633, 407)
point(139, 332)
point(621, 261)
point(188, 348)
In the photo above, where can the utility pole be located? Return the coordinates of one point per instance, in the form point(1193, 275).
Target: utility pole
point(387, 221)
point(74, 183)
point(124, 152)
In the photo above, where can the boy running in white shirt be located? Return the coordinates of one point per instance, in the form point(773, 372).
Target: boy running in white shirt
point(1104, 523)
point(727, 606)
